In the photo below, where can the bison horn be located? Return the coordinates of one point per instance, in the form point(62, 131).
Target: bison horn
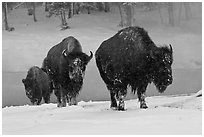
point(90, 57)
point(170, 47)
point(64, 53)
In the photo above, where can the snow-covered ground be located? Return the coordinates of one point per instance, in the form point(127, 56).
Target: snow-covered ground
point(169, 115)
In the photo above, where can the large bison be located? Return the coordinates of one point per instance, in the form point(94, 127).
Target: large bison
point(130, 58)
point(66, 64)
point(37, 85)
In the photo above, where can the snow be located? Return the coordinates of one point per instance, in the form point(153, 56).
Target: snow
point(162, 117)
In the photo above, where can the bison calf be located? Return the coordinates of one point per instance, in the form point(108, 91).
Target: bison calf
point(130, 58)
point(37, 85)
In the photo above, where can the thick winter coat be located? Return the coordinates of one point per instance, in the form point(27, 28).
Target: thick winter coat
point(131, 58)
point(66, 64)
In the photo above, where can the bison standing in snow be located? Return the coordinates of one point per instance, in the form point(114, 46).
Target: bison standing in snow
point(66, 64)
point(130, 58)
point(37, 85)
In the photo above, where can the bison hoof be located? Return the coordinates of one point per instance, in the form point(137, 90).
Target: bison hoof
point(61, 105)
point(143, 106)
point(113, 105)
point(121, 108)
point(114, 108)
point(69, 104)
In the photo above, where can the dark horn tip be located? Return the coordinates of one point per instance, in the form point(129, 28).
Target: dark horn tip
point(170, 47)
point(91, 54)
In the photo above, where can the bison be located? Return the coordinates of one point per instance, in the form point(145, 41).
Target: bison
point(66, 64)
point(131, 59)
point(37, 85)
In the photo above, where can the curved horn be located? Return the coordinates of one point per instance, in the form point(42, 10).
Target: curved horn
point(170, 47)
point(90, 57)
point(64, 52)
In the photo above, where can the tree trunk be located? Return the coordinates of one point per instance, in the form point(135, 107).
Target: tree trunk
point(77, 7)
point(129, 15)
point(71, 11)
point(180, 11)
point(62, 19)
point(107, 7)
point(88, 9)
point(5, 15)
point(171, 14)
point(160, 14)
point(99, 5)
point(121, 15)
point(46, 6)
point(187, 10)
point(34, 17)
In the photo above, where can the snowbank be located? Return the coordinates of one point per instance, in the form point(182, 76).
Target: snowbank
point(162, 117)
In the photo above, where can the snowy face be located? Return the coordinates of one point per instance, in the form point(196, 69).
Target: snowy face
point(163, 77)
point(28, 88)
point(77, 70)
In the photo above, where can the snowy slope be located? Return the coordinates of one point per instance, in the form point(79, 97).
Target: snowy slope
point(162, 117)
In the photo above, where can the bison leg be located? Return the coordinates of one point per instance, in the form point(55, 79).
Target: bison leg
point(38, 101)
point(59, 103)
point(121, 99)
point(113, 100)
point(69, 99)
point(141, 96)
point(58, 95)
point(46, 97)
point(74, 101)
point(63, 101)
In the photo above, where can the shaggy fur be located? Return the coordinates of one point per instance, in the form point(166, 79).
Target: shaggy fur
point(130, 58)
point(37, 85)
point(66, 64)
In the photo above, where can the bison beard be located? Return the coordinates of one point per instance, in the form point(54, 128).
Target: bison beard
point(66, 64)
point(37, 85)
point(130, 58)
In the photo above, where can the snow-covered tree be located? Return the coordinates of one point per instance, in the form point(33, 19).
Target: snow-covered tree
point(5, 11)
point(60, 9)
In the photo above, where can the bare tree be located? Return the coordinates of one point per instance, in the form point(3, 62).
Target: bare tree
point(160, 13)
point(188, 13)
point(71, 9)
point(107, 6)
point(129, 9)
point(34, 17)
point(59, 9)
point(46, 6)
point(171, 14)
point(100, 6)
point(4, 7)
point(121, 10)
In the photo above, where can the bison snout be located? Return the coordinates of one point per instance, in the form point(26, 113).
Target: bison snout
point(77, 77)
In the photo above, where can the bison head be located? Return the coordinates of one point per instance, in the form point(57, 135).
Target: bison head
point(29, 89)
point(77, 64)
point(163, 59)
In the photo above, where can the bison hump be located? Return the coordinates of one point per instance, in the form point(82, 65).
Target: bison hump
point(71, 44)
point(136, 36)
